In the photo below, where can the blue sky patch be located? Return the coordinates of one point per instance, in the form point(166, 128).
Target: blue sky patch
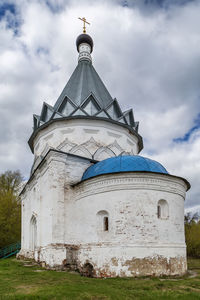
point(8, 12)
point(186, 137)
point(167, 2)
point(155, 3)
point(5, 7)
point(56, 7)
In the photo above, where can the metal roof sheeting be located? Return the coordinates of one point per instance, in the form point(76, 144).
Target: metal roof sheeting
point(82, 83)
point(85, 95)
point(127, 163)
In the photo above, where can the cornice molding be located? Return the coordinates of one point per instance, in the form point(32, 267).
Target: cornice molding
point(131, 181)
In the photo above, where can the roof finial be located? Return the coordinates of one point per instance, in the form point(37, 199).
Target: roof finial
point(84, 21)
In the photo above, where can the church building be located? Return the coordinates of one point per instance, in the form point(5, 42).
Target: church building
point(92, 203)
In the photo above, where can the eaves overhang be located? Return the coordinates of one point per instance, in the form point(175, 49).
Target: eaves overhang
point(138, 172)
point(45, 125)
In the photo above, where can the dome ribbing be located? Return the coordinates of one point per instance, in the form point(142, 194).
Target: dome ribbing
point(120, 164)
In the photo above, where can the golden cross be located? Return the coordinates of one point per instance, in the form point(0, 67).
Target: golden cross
point(84, 21)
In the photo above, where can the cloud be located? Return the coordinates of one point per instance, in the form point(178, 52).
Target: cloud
point(182, 159)
point(188, 135)
point(146, 52)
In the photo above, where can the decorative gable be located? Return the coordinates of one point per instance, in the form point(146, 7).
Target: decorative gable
point(67, 107)
point(66, 145)
point(36, 121)
point(91, 106)
point(114, 110)
point(129, 117)
point(81, 151)
point(47, 112)
point(103, 153)
point(78, 112)
point(102, 114)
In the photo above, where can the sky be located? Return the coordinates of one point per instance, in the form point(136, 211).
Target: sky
point(147, 52)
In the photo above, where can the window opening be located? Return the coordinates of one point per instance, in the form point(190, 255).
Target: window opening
point(105, 223)
point(102, 221)
point(33, 233)
point(158, 211)
point(163, 209)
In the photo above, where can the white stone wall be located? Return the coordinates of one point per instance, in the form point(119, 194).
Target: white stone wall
point(36, 202)
point(95, 139)
point(70, 228)
point(135, 231)
point(44, 198)
point(131, 260)
point(131, 200)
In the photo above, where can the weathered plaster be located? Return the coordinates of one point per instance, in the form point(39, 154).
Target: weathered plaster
point(70, 233)
point(82, 132)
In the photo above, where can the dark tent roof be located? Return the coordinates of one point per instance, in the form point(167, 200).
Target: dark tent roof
point(85, 95)
point(82, 83)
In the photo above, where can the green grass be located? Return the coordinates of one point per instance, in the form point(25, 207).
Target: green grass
point(18, 281)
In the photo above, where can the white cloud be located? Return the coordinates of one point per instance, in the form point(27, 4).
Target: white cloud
point(182, 159)
point(147, 57)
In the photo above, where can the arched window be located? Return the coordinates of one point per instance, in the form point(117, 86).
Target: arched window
point(33, 233)
point(162, 209)
point(103, 220)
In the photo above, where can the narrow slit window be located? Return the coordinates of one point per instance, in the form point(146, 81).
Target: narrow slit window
point(158, 211)
point(105, 221)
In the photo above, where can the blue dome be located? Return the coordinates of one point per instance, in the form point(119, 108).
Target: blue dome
point(128, 163)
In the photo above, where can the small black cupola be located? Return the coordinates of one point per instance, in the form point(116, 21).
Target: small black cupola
point(84, 38)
